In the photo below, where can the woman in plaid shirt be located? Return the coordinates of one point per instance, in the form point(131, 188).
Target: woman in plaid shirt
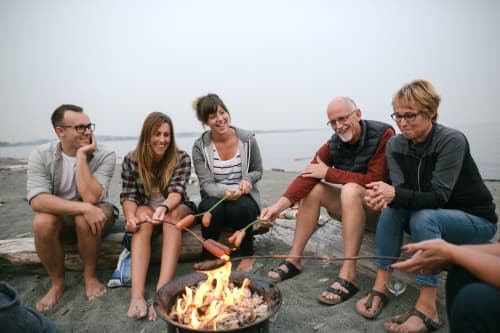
point(154, 178)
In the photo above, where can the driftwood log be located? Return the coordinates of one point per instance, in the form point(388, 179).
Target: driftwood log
point(21, 251)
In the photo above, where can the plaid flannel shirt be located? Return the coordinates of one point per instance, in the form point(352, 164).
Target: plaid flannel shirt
point(133, 187)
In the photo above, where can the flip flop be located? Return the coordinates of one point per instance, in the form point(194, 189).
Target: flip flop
point(292, 271)
point(344, 296)
point(430, 325)
point(369, 303)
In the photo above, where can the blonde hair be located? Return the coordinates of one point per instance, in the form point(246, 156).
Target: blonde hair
point(153, 172)
point(420, 94)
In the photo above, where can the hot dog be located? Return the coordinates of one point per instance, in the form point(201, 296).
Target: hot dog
point(205, 220)
point(185, 222)
point(209, 265)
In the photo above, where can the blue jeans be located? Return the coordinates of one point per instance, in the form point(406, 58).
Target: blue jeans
point(454, 226)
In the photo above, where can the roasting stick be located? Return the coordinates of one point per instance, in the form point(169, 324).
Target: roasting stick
point(174, 224)
point(331, 258)
point(215, 248)
point(213, 264)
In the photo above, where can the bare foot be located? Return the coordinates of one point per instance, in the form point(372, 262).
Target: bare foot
point(246, 265)
point(152, 313)
point(138, 308)
point(94, 288)
point(51, 297)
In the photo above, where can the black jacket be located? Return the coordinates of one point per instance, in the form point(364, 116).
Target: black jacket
point(438, 173)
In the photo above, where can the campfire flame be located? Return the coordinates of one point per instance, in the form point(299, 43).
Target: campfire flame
point(206, 305)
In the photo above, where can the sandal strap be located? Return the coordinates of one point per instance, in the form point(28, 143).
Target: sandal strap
point(351, 289)
point(343, 295)
point(430, 324)
point(371, 295)
point(292, 270)
point(347, 285)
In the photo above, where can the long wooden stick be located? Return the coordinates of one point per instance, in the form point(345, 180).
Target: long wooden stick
point(201, 240)
point(331, 258)
point(213, 264)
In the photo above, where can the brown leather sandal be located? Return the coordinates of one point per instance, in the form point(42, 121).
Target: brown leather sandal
point(369, 303)
point(430, 325)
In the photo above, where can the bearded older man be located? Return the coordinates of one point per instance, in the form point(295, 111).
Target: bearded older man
point(353, 156)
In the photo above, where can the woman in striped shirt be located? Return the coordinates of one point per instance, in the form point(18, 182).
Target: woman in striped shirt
point(228, 164)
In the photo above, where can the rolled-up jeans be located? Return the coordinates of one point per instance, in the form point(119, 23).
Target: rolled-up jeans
point(454, 226)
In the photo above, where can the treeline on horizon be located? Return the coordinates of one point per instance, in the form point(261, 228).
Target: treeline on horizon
point(124, 138)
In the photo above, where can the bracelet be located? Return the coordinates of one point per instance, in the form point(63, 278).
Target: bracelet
point(166, 207)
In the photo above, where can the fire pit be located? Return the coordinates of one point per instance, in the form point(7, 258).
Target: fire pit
point(168, 295)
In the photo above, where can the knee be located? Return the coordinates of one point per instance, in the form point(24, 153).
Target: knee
point(387, 218)
point(174, 215)
point(318, 192)
point(352, 191)
point(47, 225)
point(422, 222)
point(81, 224)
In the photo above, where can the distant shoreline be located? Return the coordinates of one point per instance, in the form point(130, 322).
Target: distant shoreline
point(105, 138)
point(10, 163)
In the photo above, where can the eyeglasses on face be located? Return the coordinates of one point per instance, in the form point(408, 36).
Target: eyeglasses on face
point(334, 122)
point(80, 128)
point(409, 116)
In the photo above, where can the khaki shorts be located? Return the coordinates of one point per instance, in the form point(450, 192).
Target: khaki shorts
point(68, 235)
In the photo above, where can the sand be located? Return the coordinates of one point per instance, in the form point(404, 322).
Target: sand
point(300, 311)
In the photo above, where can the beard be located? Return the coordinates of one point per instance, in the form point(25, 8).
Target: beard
point(345, 136)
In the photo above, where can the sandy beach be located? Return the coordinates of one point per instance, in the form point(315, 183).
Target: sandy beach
point(300, 310)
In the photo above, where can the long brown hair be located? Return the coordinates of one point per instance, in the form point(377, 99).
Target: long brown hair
point(150, 171)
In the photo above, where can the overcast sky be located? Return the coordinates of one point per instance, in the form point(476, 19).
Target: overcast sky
point(276, 64)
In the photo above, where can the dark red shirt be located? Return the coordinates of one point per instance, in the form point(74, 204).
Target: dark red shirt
point(377, 170)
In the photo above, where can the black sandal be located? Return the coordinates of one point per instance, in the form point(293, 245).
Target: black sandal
point(351, 291)
point(292, 271)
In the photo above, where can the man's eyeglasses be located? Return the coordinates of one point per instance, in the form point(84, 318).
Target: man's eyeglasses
point(80, 128)
point(334, 122)
point(407, 116)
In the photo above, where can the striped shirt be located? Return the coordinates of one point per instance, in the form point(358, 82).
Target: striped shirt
point(227, 172)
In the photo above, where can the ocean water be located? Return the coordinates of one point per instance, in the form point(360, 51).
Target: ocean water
point(291, 151)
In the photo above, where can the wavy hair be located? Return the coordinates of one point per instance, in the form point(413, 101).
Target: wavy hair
point(153, 172)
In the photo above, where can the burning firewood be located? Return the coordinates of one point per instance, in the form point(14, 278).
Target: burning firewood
point(217, 304)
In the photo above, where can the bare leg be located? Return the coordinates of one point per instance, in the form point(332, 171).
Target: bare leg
point(47, 230)
point(171, 247)
point(426, 303)
point(354, 216)
point(246, 265)
point(307, 218)
point(88, 247)
point(141, 254)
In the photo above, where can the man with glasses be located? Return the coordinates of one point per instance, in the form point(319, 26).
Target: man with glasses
point(67, 185)
point(354, 156)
